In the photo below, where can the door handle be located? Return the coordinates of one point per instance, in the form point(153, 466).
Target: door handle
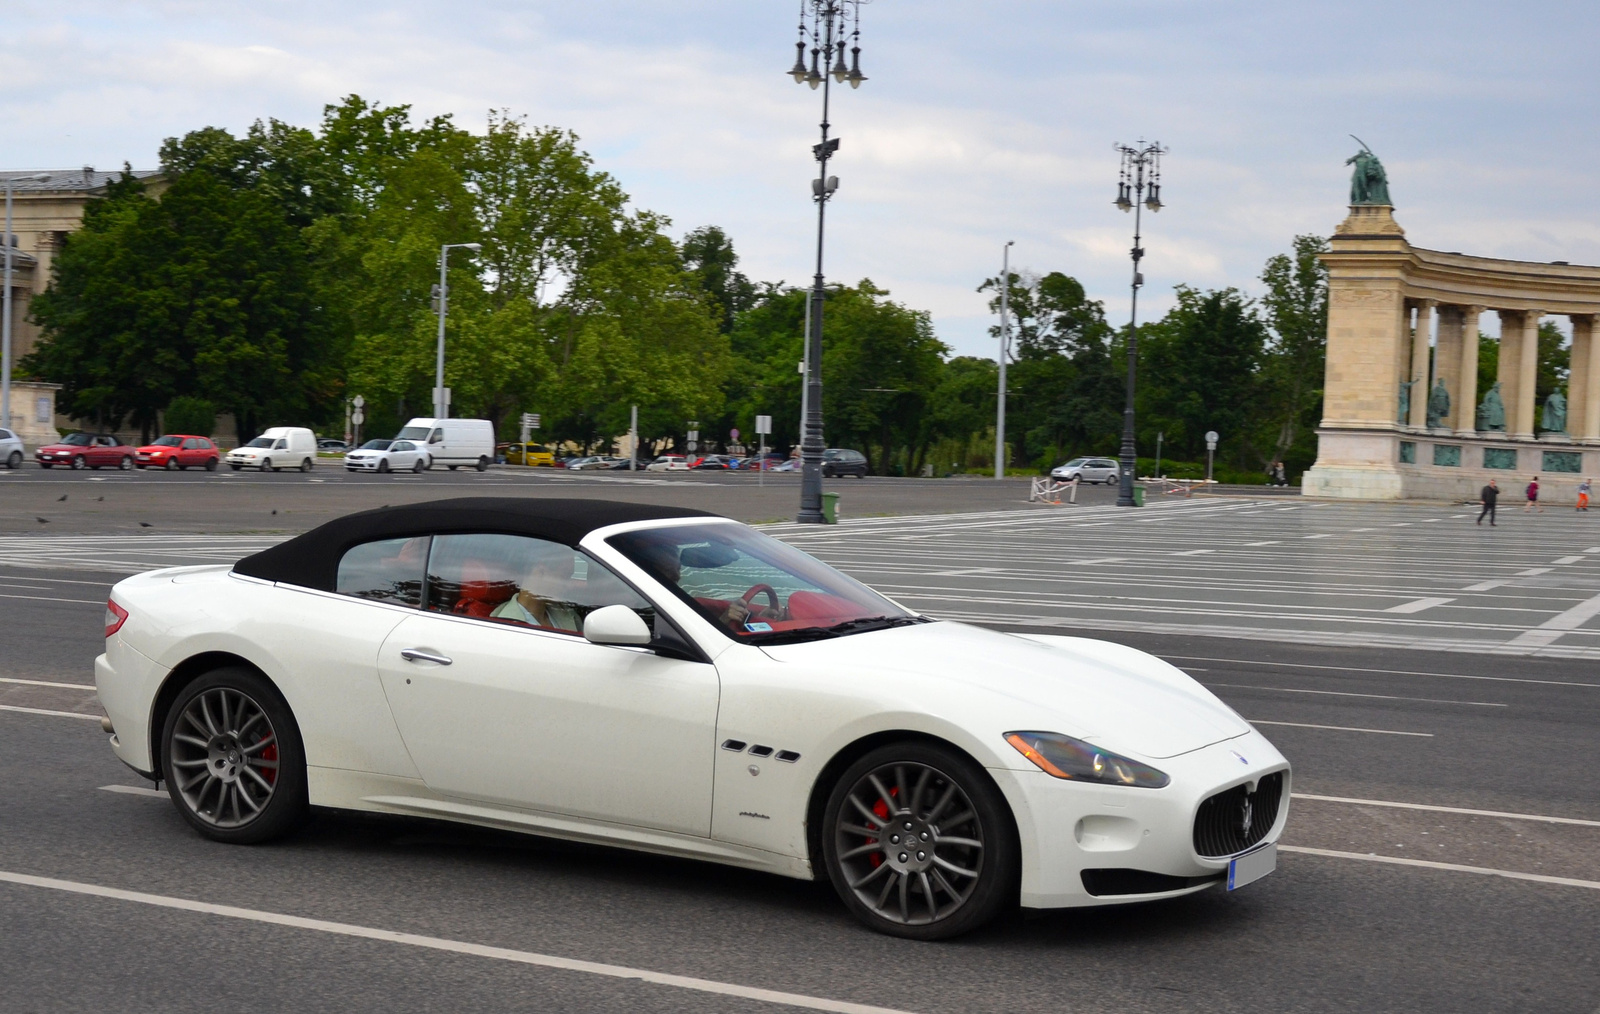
point(419, 655)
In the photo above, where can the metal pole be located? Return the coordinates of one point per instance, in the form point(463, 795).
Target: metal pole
point(1129, 455)
point(1158, 454)
point(633, 440)
point(5, 338)
point(811, 444)
point(439, 410)
point(1005, 337)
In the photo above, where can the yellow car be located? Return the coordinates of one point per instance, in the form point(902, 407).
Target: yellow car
point(529, 454)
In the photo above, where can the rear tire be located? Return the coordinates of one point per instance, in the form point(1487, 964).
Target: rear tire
point(417, 466)
point(939, 855)
point(211, 464)
point(233, 759)
point(483, 464)
point(453, 468)
point(305, 464)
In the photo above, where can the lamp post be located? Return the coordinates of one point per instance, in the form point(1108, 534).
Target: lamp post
point(830, 22)
point(5, 326)
point(1141, 169)
point(1005, 344)
point(441, 293)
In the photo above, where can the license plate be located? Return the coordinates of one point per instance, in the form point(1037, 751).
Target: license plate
point(1249, 868)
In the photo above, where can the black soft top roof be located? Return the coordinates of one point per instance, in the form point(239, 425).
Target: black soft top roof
point(312, 560)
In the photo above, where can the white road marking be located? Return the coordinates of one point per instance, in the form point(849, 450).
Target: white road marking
point(1552, 629)
point(1272, 542)
point(134, 790)
point(1533, 571)
point(451, 946)
point(1341, 728)
point(1417, 606)
point(1106, 559)
point(43, 711)
point(1363, 529)
point(48, 598)
point(1593, 885)
point(1567, 559)
point(1194, 552)
point(1386, 672)
point(1319, 536)
point(1448, 809)
point(1485, 585)
point(1347, 693)
point(44, 683)
point(1593, 549)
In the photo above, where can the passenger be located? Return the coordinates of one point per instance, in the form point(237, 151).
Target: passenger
point(542, 601)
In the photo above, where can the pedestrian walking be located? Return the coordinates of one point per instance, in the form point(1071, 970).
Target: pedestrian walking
point(1533, 497)
point(1279, 476)
point(1583, 495)
point(1489, 495)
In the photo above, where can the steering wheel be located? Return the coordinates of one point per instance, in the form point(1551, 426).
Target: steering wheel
point(772, 607)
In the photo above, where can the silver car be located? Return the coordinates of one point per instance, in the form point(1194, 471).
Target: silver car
point(387, 456)
point(1088, 470)
point(11, 452)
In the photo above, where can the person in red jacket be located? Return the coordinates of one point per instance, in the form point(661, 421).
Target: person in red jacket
point(1533, 497)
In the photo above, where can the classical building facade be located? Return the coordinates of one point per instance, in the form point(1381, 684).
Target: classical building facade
point(1401, 412)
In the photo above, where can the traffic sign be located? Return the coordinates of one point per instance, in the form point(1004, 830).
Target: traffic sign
point(734, 433)
point(530, 420)
point(358, 417)
point(1211, 440)
point(764, 424)
point(358, 401)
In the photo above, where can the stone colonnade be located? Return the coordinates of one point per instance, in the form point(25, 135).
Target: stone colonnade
point(1403, 326)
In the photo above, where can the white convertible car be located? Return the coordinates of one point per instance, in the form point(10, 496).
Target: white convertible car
point(672, 681)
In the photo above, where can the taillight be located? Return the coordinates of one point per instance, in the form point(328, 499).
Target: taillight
point(116, 616)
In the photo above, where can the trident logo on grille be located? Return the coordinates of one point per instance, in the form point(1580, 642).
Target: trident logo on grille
point(1247, 814)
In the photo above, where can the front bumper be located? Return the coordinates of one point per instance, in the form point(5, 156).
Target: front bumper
point(1069, 827)
point(362, 464)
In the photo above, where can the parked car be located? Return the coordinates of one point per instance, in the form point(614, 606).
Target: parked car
point(332, 445)
point(668, 463)
point(452, 442)
point(91, 450)
point(178, 451)
point(276, 449)
point(711, 461)
point(754, 462)
point(11, 450)
point(1103, 470)
point(593, 463)
point(935, 772)
point(843, 461)
point(533, 455)
point(788, 465)
point(387, 456)
point(621, 465)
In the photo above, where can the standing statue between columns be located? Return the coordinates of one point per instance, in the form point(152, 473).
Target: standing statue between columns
point(1438, 405)
point(1492, 411)
point(1554, 417)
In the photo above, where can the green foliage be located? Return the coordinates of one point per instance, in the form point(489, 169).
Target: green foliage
point(186, 414)
point(1295, 308)
point(1488, 365)
point(1555, 361)
point(708, 254)
point(1201, 372)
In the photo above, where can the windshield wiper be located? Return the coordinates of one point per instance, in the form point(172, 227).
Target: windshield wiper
point(836, 630)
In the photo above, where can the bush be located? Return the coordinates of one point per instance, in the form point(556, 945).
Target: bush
point(194, 416)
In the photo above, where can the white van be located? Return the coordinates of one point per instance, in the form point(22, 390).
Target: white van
point(453, 442)
point(276, 449)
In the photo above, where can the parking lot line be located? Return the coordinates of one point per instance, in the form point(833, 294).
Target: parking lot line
point(47, 683)
point(1346, 693)
point(43, 711)
point(1593, 885)
point(453, 946)
point(1502, 814)
point(1340, 728)
point(1384, 672)
point(1417, 605)
point(134, 790)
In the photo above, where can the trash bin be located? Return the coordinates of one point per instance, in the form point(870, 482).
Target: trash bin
point(830, 508)
point(1138, 496)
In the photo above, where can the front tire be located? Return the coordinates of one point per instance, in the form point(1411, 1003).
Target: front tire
point(266, 466)
point(383, 466)
point(78, 463)
point(14, 462)
point(234, 763)
point(919, 843)
point(234, 467)
point(172, 464)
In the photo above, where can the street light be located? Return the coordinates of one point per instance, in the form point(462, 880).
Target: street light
point(831, 22)
point(441, 293)
point(1141, 171)
point(1005, 343)
point(5, 327)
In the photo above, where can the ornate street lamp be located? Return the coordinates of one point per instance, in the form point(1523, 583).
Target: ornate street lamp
point(824, 27)
point(1141, 171)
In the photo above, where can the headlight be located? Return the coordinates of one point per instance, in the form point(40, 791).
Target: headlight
point(1065, 757)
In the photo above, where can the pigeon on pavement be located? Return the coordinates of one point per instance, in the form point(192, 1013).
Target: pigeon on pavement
point(61, 498)
point(42, 521)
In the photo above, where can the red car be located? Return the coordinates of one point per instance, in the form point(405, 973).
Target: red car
point(94, 450)
point(179, 450)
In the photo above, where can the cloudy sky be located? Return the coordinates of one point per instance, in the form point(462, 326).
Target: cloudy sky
point(981, 122)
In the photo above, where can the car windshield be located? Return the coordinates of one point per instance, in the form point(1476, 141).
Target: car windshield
point(376, 445)
point(260, 442)
point(755, 588)
point(78, 440)
point(414, 433)
point(168, 442)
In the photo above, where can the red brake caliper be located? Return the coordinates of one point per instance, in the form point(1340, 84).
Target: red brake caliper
point(881, 808)
point(270, 754)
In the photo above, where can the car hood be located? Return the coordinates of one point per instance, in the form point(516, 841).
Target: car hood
point(1109, 694)
point(156, 449)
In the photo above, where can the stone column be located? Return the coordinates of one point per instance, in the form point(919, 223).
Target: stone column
point(1519, 369)
point(1583, 385)
point(1447, 361)
point(1467, 416)
point(1510, 365)
point(1420, 352)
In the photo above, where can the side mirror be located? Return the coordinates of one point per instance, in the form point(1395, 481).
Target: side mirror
point(615, 625)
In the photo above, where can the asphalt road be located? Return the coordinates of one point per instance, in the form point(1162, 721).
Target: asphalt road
point(1443, 851)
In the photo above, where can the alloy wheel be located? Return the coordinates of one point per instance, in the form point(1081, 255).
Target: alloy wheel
point(909, 843)
point(78, 462)
point(224, 757)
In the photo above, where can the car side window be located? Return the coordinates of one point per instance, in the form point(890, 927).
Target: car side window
point(5, 434)
point(390, 570)
point(525, 581)
point(191, 444)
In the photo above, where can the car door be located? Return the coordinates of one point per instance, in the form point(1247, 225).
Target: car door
point(498, 703)
point(104, 451)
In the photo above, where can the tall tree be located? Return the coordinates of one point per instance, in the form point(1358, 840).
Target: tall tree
point(1200, 364)
point(1296, 311)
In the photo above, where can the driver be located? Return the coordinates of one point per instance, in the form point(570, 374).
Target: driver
point(662, 560)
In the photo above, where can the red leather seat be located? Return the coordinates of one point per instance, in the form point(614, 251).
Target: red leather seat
point(481, 592)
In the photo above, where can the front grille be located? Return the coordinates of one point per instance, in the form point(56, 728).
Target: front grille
point(1220, 828)
point(1110, 883)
